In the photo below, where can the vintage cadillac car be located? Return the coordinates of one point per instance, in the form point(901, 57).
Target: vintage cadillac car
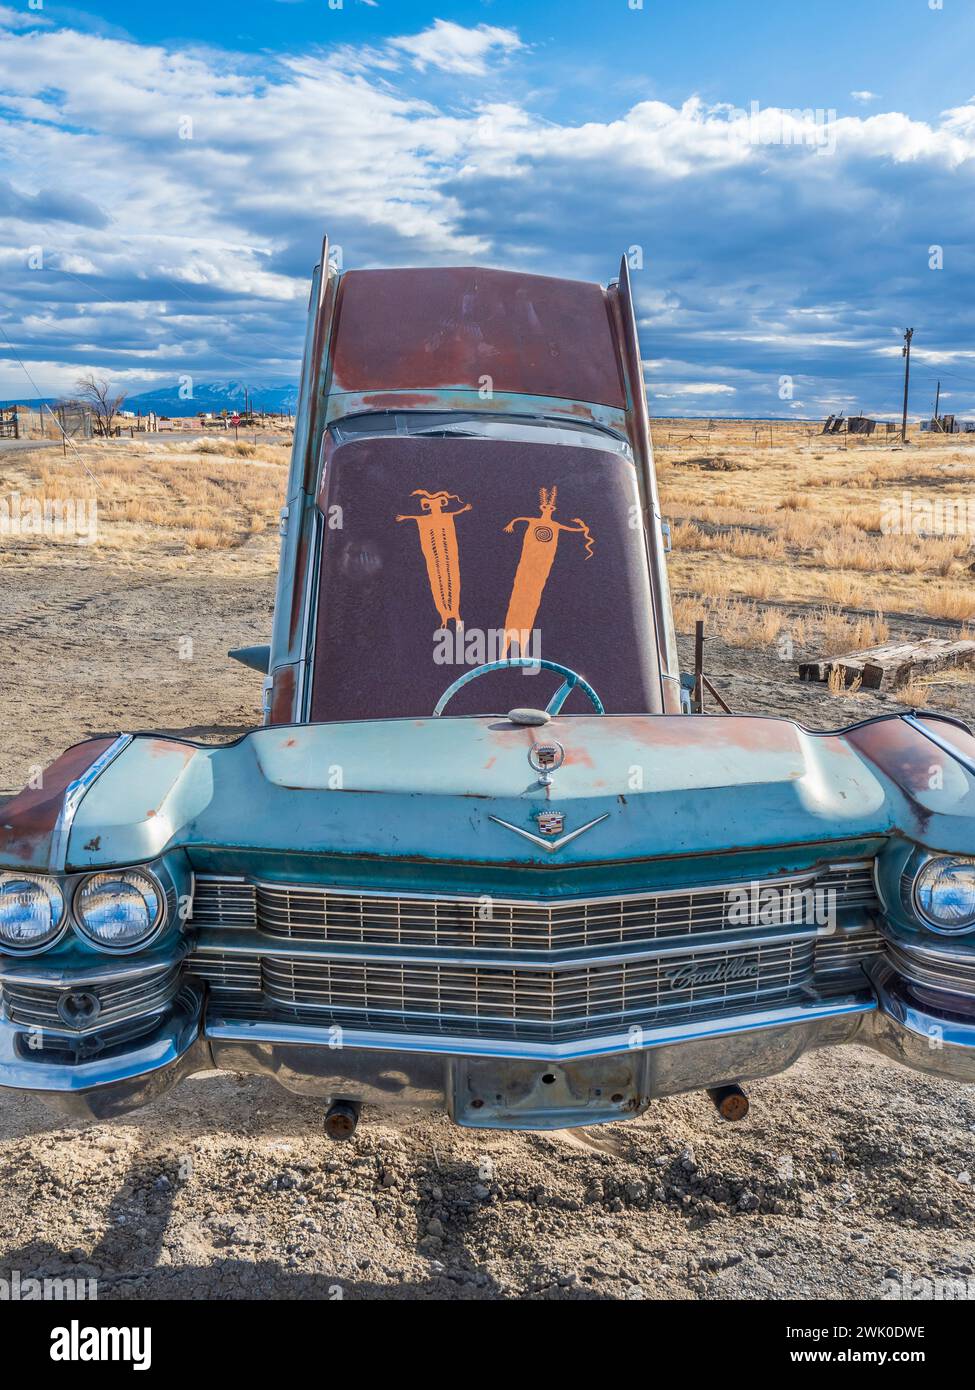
point(393, 892)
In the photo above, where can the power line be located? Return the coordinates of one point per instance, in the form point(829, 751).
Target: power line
point(50, 412)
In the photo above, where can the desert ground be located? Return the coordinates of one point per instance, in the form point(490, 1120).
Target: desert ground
point(850, 1177)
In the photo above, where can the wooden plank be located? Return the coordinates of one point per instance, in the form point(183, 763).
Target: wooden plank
point(892, 664)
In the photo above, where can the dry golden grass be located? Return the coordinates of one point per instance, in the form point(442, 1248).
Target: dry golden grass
point(157, 496)
point(953, 689)
point(837, 683)
point(950, 601)
point(805, 525)
point(792, 556)
point(750, 625)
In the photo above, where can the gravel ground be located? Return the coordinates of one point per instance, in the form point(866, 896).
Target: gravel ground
point(851, 1177)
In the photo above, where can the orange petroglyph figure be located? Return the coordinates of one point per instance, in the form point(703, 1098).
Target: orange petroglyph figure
point(537, 557)
point(438, 541)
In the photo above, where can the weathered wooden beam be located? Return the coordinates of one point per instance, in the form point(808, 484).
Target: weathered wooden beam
point(892, 664)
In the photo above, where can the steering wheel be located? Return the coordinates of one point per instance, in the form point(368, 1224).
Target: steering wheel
point(572, 679)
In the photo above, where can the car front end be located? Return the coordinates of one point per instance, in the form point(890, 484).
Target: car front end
point(524, 949)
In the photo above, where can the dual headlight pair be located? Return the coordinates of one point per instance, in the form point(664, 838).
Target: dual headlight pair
point(114, 911)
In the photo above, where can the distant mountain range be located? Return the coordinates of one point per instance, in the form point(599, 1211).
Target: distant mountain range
point(214, 396)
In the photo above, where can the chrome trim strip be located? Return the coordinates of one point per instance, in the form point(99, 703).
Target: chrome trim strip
point(233, 941)
point(550, 846)
point(960, 952)
point(74, 794)
point(222, 1026)
point(305, 676)
point(541, 902)
point(77, 973)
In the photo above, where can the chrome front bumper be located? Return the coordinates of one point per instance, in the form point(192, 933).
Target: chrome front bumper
point(493, 1085)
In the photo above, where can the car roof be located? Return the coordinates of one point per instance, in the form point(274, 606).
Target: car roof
point(466, 327)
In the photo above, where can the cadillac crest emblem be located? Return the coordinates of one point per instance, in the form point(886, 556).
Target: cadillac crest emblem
point(551, 822)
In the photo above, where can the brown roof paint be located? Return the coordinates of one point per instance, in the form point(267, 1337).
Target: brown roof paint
point(419, 328)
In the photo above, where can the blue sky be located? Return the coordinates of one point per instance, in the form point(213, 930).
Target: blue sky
point(795, 182)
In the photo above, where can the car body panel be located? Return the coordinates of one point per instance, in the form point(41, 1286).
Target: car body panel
point(29, 821)
point(274, 791)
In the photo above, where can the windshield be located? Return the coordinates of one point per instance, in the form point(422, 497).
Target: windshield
point(479, 424)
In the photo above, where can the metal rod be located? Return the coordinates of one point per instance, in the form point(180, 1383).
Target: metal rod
point(711, 688)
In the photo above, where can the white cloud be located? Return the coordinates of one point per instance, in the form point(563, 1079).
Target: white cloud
point(223, 228)
point(668, 389)
point(21, 19)
point(865, 97)
point(454, 48)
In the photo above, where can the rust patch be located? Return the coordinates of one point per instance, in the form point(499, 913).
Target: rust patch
point(283, 696)
point(575, 756)
point(400, 400)
point(752, 735)
point(452, 326)
point(166, 748)
point(27, 820)
point(958, 738)
point(94, 844)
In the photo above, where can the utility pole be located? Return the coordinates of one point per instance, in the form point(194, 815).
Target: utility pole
point(937, 398)
point(906, 354)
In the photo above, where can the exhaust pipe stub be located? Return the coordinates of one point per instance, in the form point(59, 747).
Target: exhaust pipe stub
point(341, 1120)
point(731, 1102)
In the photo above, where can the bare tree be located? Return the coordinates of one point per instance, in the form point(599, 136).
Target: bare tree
point(96, 392)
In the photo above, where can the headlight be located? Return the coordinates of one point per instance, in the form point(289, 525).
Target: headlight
point(944, 894)
point(119, 910)
point(31, 911)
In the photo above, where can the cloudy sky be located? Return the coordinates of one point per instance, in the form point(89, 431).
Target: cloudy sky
point(794, 183)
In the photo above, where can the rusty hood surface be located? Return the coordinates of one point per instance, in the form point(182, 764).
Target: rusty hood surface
point(462, 791)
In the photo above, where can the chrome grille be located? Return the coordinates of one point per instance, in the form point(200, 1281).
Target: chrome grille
point(579, 998)
point(518, 969)
point(36, 1006)
point(230, 974)
point(223, 902)
point(841, 953)
point(299, 912)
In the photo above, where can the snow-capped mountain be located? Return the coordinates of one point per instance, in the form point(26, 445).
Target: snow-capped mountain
point(214, 396)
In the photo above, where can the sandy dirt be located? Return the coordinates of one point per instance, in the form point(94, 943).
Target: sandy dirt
point(850, 1177)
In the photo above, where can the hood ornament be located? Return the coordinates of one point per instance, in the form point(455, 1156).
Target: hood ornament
point(546, 758)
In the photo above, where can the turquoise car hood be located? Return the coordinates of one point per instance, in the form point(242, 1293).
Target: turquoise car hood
point(463, 790)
